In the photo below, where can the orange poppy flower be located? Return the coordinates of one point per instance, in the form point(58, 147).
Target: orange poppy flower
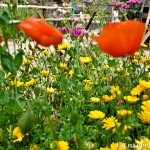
point(121, 38)
point(41, 32)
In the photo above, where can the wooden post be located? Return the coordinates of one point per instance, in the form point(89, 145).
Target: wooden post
point(147, 23)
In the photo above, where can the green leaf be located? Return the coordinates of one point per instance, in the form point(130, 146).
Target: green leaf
point(2, 75)
point(8, 63)
point(22, 102)
point(13, 107)
point(18, 59)
point(26, 122)
point(4, 97)
point(4, 19)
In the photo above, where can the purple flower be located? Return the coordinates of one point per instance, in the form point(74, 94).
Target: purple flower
point(125, 6)
point(76, 31)
point(63, 29)
point(117, 4)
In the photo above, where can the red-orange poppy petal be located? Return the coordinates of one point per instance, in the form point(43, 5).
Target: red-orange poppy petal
point(121, 38)
point(41, 32)
point(0, 39)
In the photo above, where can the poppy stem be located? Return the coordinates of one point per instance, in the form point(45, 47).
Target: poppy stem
point(90, 21)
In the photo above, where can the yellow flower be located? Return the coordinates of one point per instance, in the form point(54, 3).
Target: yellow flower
point(31, 57)
point(63, 65)
point(148, 76)
point(131, 99)
point(16, 134)
point(45, 52)
point(144, 116)
point(115, 90)
point(135, 61)
point(87, 87)
point(70, 73)
point(85, 60)
point(63, 46)
point(125, 128)
point(143, 144)
point(144, 59)
point(59, 145)
point(148, 66)
point(95, 99)
point(96, 114)
point(50, 90)
point(119, 69)
point(107, 98)
point(124, 112)
point(26, 62)
point(145, 97)
point(144, 84)
point(136, 53)
point(146, 105)
point(45, 73)
point(87, 81)
point(105, 67)
point(17, 83)
point(137, 90)
point(35, 147)
point(110, 123)
point(144, 45)
point(30, 83)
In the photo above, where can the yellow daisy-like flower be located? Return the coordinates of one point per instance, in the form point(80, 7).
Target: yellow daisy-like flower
point(63, 65)
point(87, 87)
point(96, 114)
point(30, 83)
point(50, 90)
point(119, 69)
point(124, 112)
point(70, 73)
point(148, 66)
point(26, 62)
point(145, 105)
point(142, 144)
point(45, 73)
point(87, 81)
point(35, 147)
point(110, 123)
point(63, 46)
point(145, 97)
point(30, 57)
point(45, 52)
point(17, 134)
point(135, 61)
point(125, 128)
point(59, 145)
point(17, 83)
point(137, 90)
point(85, 60)
point(131, 99)
point(105, 67)
point(136, 53)
point(144, 59)
point(107, 98)
point(144, 84)
point(144, 116)
point(115, 90)
point(95, 99)
point(144, 45)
